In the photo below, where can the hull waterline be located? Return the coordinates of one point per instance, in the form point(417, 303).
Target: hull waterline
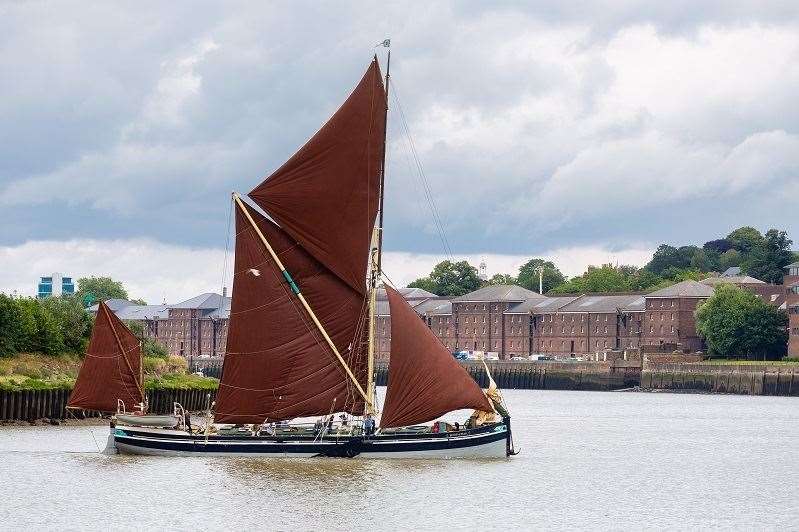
point(486, 442)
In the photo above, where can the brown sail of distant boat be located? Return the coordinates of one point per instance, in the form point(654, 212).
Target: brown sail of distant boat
point(302, 319)
point(111, 379)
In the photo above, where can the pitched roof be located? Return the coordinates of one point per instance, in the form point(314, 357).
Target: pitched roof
point(731, 271)
point(733, 279)
point(538, 305)
point(793, 265)
point(687, 288)
point(143, 312)
point(499, 292)
point(600, 303)
point(408, 293)
point(208, 301)
point(443, 308)
point(113, 305)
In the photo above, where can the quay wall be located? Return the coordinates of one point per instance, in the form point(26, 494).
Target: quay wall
point(743, 379)
point(590, 376)
point(543, 375)
point(30, 405)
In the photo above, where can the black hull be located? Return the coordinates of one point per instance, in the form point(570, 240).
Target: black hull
point(491, 441)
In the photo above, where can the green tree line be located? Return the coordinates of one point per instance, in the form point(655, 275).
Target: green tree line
point(61, 324)
point(763, 256)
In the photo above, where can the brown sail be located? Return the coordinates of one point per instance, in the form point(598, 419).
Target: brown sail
point(277, 365)
point(111, 369)
point(424, 380)
point(326, 195)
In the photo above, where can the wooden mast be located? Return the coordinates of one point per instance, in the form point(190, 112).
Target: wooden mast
point(296, 291)
point(376, 259)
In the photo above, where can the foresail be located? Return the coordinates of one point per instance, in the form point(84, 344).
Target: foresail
point(424, 380)
point(326, 195)
point(277, 365)
point(111, 369)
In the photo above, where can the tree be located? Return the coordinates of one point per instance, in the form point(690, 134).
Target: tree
point(94, 289)
point(502, 278)
point(736, 323)
point(744, 239)
point(40, 331)
point(729, 259)
point(9, 326)
point(719, 246)
point(425, 283)
point(528, 275)
point(768, 259)
point(73, 321)
point(450, 279)
point(149, 347)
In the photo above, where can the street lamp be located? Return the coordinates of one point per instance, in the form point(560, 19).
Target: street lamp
point(540, 271)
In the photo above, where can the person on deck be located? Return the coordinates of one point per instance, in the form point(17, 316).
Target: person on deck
point(187, 421)
point(368, 425)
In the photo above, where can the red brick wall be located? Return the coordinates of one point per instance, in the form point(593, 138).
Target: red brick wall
point(671, 320)
point(792, 301)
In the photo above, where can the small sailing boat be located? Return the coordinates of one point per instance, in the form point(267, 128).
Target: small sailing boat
point(302, 321)
point(111, 380)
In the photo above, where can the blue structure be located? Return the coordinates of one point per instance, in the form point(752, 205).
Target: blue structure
point(55, 285)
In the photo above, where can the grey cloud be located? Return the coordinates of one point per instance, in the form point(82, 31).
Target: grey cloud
point(123, 121)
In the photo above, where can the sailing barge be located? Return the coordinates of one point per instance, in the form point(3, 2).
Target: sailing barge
point(302, 326)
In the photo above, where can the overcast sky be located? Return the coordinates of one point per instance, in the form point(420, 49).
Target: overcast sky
point(584, 134)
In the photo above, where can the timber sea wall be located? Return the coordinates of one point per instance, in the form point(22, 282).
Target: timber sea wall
point(30, 405)
point(758, 379)
point(547, 375)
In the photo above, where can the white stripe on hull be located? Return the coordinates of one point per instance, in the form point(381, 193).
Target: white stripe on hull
point(370, 449)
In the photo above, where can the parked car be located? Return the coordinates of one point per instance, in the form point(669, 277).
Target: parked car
point(518, 358)
point(460, 355)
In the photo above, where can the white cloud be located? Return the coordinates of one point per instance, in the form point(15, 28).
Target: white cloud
point(158, 272)
point(150, 270)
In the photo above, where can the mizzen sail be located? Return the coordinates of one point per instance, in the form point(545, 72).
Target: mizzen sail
point(424, 380)
point(326, 196)
point(277, 365)
point(111, 370)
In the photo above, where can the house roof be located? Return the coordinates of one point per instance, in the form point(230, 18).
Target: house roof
point(499, 292)
point(538, 305)
point(443, 308)
point(600, 303)
point(143, 312)
point(207, 301)
point(793, 265)
point(732, 271)
point(687, 288)
point(733, 279)
point(113, 304)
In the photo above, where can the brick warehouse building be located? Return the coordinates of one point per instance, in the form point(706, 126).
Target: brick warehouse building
point(194, 327)
point(504, 319)
point(791, 283)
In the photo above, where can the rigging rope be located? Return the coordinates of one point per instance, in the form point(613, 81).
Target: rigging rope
point(422, 177)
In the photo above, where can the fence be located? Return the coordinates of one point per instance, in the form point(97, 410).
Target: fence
point(29, 405)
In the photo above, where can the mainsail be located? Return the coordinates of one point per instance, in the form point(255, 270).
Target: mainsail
point(111, 369)
point(326, 196)
point(424, 380)
point(278, 365)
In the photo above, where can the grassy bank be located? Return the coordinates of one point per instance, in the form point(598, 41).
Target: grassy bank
point(40, 372)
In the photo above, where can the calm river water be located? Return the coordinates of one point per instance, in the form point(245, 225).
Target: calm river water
point(588, 460)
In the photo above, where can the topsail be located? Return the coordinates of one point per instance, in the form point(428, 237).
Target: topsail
point(327, 195)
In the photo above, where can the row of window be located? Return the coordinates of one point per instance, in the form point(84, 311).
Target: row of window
point(652, 303)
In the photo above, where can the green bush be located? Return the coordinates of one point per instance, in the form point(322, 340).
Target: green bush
point(176, 364)
point(153, 366)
